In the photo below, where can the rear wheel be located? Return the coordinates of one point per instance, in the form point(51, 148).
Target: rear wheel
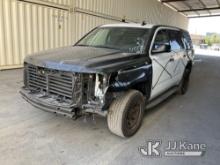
point(126, 114)
point(184, 84)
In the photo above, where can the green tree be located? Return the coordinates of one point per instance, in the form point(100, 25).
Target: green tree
point(212, 39)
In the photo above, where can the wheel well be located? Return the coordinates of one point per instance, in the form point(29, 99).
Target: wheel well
point(144, 88)
point(189, 66)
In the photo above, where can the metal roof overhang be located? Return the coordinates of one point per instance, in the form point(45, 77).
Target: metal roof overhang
point(195, 8)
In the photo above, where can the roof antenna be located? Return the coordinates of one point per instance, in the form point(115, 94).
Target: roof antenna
point(144, 23)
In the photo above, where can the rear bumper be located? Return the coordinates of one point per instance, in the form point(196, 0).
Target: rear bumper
point(45, 104)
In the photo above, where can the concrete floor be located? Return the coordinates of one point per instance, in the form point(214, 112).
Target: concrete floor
point(31, 136)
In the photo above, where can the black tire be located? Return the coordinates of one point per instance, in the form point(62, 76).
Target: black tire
point(126, 113)
point(184, 84)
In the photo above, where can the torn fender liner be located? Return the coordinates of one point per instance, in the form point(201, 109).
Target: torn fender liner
point(42, 103)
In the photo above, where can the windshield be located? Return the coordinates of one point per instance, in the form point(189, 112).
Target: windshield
point(130, 40)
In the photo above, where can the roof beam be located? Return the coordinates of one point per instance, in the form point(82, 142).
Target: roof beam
point(204, 16)
point(168, 1)
point(173, 7)
point(190, 8)
point(183, 1)
point(202, 9)
point(46, 4)
point(204, 6)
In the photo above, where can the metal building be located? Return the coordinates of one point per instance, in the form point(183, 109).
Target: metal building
point(28, 26)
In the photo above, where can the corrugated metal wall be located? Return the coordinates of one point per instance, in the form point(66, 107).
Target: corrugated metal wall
point(150, 10)
point(28, 26)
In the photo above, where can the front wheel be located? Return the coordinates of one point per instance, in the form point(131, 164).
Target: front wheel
point(126, 114)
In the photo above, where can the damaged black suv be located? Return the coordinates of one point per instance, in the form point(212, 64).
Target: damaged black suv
point(115, 70)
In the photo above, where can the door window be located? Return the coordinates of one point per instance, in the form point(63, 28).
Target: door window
point(162, 38)
point(175, 40)
point(187, 40)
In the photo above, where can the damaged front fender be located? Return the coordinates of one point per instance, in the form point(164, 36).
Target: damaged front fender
point(128, 78)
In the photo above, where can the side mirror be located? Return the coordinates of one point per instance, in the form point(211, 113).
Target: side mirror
point(164, 48)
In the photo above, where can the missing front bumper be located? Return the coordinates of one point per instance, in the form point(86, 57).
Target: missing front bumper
point(47, 104)
point(50, 105)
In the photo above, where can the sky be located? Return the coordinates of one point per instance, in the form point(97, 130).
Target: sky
point(203, 25)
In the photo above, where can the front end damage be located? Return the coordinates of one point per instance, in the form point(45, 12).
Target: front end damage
point(64, 92)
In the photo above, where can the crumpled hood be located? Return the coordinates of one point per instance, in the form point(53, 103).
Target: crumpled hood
point(84, 59)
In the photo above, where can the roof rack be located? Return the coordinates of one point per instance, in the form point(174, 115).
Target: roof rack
point(143, 23)
point(124, 19)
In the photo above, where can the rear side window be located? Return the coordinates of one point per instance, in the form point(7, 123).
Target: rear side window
point(187, 40)
point(176, 42)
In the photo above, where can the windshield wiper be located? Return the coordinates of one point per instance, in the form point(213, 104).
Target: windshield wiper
point(82, 45)
point(104, 46)
point(98, 46)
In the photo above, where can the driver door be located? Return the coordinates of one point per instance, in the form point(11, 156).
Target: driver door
point(162, 63)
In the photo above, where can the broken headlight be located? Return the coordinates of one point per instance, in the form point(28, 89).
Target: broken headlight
point(101, 86)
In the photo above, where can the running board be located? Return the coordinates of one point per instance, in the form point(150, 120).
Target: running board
point(161, 98)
